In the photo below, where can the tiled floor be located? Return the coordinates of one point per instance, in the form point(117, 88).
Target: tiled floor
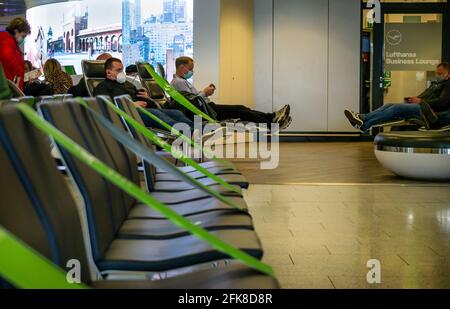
point(322, 236)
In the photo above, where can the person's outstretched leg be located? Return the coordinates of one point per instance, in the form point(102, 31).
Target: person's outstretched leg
point(178, 116)
point(149, 122)
point(393, 111)
point(241, 112)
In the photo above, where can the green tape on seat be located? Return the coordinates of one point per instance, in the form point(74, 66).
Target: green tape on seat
point(174, 94)
point(182, 136)
point(24, 268)
point(151, 157)
point(145, 198)
point(167, 147)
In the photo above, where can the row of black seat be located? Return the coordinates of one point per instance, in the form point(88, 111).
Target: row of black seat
point(111, 233)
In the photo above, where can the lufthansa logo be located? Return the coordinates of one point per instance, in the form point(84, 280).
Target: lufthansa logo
point(394, 37)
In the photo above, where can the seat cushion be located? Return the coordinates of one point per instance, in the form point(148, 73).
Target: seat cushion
point(163, 255)
point(173, 198)
point(414, 140)
point(164, 229)
point(162, 175)
point(185, 187)
point(237, 180)
point(208, 165)
point(232, 277)
point(141, 211)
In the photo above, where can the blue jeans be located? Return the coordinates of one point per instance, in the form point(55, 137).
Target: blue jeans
point(169, 116)
point(390, 112)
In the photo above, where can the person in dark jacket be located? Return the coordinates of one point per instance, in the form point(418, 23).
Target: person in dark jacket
point(437, 96)
point(116, 84)
point(11, 56)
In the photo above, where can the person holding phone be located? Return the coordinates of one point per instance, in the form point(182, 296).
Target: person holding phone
point(185, 71)
point(11, 55)
point(437, 96)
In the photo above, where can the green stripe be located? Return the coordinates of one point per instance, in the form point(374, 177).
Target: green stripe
point(174, 94)
point(151, 157)
point(167, 147)
point(182, 136)
point(145, 198)
point(24, 268)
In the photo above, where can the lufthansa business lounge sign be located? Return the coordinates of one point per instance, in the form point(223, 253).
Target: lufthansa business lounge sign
point(413, 47)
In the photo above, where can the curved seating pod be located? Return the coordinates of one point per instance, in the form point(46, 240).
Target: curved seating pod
point(416, 155)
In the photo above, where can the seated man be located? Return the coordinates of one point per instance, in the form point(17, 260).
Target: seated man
point(437, 96)
point(185, 70)
point(116, 84)
point(435, 121)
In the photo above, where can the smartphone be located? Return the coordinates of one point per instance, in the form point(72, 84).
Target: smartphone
point(406, 99)
point(212, 85)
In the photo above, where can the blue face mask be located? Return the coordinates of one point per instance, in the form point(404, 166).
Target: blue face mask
point(188, 75)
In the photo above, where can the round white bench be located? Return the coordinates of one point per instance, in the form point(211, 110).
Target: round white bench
point(416, 155)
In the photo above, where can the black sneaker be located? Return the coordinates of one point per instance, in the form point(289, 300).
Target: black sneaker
point(354, 118)
point(429, 116)
point(282, 114)
point(286, 123)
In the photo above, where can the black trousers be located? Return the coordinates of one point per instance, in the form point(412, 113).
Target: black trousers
point(244, 113)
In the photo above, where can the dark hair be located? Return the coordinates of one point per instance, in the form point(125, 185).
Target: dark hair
point(131, 69)
point(183, 60)
point(109, 63)
point(20, 24)
point(444, 65)
point(27, 62)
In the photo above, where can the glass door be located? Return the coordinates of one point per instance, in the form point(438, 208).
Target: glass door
point(409, 44)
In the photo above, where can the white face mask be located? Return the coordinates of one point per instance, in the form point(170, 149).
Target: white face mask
point(121, 78)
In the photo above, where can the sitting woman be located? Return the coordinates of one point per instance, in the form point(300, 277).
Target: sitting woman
point(32, 85)
point(59, 81)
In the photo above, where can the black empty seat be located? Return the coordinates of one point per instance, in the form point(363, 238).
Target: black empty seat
point(152, 177)
point(155, 92)
point(94, 74)
point(107, 207)
point(44, 214)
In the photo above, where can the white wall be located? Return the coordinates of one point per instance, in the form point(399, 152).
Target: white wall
point(313, 47)
point(207, 43)
point(344, 62)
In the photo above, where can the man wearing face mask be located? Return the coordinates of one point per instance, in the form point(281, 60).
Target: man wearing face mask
point(116, 84)
point(437, 96)
point(185, 70)
point(11, 56)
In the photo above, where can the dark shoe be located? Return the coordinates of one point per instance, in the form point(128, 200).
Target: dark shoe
point(286, 124)
point(282, 114)
point(354, 118)
point(429, 116)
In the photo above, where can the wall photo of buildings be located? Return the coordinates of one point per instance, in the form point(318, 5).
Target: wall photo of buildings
point(155, 31)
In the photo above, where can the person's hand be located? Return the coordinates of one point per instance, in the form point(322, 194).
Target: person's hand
point(209, 91)
point(415, 100)
point(140, 104)
point(142, 93)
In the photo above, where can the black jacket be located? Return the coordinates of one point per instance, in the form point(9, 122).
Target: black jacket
point(437, 96)
point(114, 89)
